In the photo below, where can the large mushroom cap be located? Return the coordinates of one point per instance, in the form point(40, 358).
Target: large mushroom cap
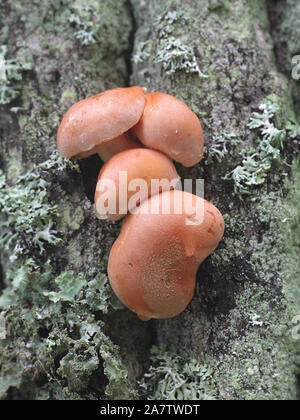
point(130, 175)
point(153, 263)
point(171, 126)
point(99, 118)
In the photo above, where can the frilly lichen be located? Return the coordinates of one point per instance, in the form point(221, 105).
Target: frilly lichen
point(27, 217)
point(172, 52)
point(86, 27)
point(266, 150)
point(172, 378)
point(74, 348)
point(11, 74)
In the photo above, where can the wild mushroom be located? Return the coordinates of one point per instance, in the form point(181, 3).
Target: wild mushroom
point(171, 126)
point(153, 263)
point(109, 148)
point(130, 177)
point(98, 119)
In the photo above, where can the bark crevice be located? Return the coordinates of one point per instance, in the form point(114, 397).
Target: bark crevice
point(131, 40)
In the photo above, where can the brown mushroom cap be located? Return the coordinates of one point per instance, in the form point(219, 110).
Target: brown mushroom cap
point(111, 147)
point(139, 164)
point(171, 126)
point(153, 263)
point(99, 118)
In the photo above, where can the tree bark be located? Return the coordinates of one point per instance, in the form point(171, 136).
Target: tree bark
point(66, 336)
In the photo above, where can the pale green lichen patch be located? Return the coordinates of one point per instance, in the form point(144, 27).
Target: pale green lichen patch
point(28, 217)
point(266, 150)
point(27, 283)
point(173, 52)
point(86, 26)
point(218, 148)
point(69, 285)
point(119, 387)
point(55, 294)
point(74, 349)
point(172, 378)
point(26, 213)
point(11, 70)
point(72, 218)
point(102, 24)
point(98, 294)
point(175, 56)
point(68, 97)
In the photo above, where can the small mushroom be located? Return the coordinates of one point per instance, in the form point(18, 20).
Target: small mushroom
point(128, 178)
point(111, 147)
point(171, 126)
point(98, 119)
point(153, 263)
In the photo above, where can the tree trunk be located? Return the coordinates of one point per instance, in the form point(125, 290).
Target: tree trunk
point(64, 334)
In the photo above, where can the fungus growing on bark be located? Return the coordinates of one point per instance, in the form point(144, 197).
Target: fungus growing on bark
point(170, 126)
point(128, 178)
point(98, 119)
point(153, 263)
point(109, 148)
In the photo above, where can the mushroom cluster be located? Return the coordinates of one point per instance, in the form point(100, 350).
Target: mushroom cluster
point(153, 263)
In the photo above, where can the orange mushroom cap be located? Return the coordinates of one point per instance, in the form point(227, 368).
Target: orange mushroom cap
point(171, 126)
point(111, 147)
point(153, 263)
point(137, 166)
point(100, 118)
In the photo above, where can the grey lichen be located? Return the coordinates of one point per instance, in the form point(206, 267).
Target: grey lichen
point(11, 70)
point(119, 387)
point(266, 150)
point(175, 56)
point(85, 24)
point(69, 285)
point(75, 345)
point(27, 217)
point(173, 53)
point(218, 148)
point(173, 378)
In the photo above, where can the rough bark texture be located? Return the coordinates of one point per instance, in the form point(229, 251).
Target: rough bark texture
point(66, 336)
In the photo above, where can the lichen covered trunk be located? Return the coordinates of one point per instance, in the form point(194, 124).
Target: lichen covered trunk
point(63, 333)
